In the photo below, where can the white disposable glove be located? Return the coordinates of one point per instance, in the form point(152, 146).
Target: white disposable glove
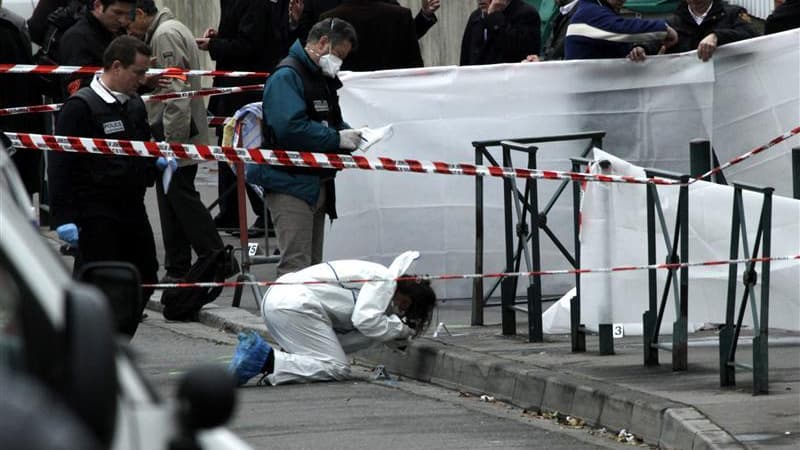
point(349, 138)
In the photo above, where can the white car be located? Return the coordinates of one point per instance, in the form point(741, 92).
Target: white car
point(66, 380)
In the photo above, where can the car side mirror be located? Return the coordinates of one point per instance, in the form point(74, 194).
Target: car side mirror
point(206, 398)
point(120, 282)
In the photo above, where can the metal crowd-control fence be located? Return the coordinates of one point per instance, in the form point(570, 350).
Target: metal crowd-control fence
point(677, 278)
point(701, 158)
point(526, 205)
point(730, 332)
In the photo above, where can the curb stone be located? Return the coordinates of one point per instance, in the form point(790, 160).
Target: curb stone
point(656, 420)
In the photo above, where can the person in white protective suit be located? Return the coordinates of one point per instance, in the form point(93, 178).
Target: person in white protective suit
point(316, 325)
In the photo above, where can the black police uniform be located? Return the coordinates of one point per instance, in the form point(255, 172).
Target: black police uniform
point(104, 195)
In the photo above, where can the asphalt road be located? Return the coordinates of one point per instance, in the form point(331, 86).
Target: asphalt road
point(359, 414)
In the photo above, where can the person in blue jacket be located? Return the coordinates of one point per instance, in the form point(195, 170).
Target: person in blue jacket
point(301, 112)
point(597, 31)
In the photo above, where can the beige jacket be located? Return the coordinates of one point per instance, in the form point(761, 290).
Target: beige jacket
point(173, 45)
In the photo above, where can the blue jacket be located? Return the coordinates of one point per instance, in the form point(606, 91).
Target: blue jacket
point(284, 108)
point(597, 32)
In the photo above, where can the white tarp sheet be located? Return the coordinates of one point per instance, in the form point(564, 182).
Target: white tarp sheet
point(614, 233)
point(650, 111)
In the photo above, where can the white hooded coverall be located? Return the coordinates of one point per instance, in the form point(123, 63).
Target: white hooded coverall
point(315, 325)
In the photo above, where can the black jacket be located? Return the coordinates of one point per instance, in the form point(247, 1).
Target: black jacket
point(85, 186)
point(501, 37)
point(730, 23)
point(313, 10)
point(784, 17)
point(19, 90)
point(554, 47)
point(37, 23)
point(83, 44)
point(386, 36)
point(245, 41)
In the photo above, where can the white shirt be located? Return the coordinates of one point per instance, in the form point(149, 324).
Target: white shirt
point(699, 19)
point(564, 10)
point(108, 95)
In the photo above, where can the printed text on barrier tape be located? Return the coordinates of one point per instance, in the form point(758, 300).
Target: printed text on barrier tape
point(146, 98)
point(65, 70)
point(300, 159)
point(668, 266)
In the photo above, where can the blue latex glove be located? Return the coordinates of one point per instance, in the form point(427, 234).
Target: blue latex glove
point(163, 162)
point(68, 233)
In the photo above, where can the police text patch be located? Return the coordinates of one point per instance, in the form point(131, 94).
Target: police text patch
point(113, 127)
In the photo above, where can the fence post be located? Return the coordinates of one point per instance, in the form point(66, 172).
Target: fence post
point(699, 157)
point(477, 283)
point(796, 172)
point(680, 334)
point(761, 340)
point(508, 285)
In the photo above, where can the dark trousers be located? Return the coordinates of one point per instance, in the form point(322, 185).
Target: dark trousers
point(228, 206)
point(107, 239)
point(186, 224)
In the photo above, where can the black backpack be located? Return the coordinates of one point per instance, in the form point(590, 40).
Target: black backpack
point(184, 304)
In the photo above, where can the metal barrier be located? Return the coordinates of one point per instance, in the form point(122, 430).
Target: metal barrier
point(525, 204)
point(677, 252)
point(701, 158)
point(730, 332)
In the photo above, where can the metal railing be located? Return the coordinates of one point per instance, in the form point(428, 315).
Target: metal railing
point(677, 247)
point(730, 332)
point(526, 205)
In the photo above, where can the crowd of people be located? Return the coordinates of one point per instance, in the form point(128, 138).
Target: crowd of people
point(97, 202)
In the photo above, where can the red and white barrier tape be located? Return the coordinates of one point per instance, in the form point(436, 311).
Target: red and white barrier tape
point(752, 152)
point(66, 70)
point(668, 266)
point(300, 159)
point(147, 98)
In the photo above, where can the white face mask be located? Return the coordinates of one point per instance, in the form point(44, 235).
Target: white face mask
point(330, 64)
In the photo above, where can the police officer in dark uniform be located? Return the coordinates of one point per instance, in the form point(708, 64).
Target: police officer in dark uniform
point(97, 201)
point(704, 25)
